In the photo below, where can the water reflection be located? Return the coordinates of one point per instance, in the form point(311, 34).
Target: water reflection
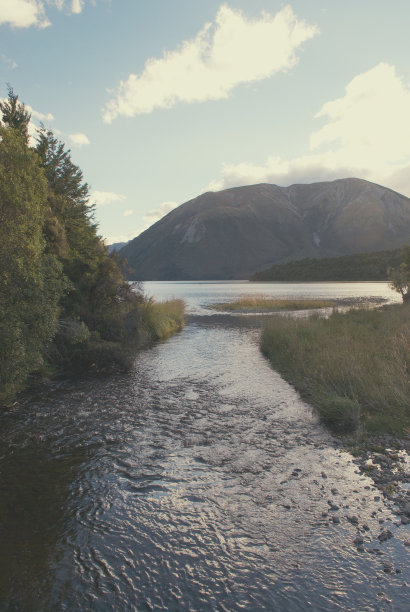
point(199, 481)
point(34, 492)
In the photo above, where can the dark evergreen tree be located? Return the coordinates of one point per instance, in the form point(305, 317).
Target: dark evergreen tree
point(31, 282)
point(15, 115)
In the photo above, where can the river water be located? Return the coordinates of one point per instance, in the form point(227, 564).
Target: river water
point(198, 481)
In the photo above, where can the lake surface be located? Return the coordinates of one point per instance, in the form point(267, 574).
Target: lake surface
point(198, 481)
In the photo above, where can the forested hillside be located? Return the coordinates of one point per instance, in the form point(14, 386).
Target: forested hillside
point(64, 304)
point(360, 267)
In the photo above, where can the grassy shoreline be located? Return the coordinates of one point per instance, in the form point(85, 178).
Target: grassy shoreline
point(354, 368)
point(262, 304)
point(161, 320)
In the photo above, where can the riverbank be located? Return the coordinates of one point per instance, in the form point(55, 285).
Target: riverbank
point(353, 368)
point(153, 321)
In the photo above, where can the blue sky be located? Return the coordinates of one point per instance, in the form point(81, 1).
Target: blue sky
point(160, 100)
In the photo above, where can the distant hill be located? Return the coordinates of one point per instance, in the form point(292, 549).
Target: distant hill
point(361, 267)
point(234, 233)
point(116, 246)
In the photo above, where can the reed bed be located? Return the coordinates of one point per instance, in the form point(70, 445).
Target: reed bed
point(263, 303)
point(353, 367)
point(163, 319)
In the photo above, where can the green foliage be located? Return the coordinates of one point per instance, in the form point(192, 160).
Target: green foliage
point(14, 115)
point(64, 303)
point(353, 367)
point(400, 276)
point(360, 267)
point(31, 281)
point(99, 312)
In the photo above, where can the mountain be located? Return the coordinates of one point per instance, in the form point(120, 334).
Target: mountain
point(233, 233)
point(116, 246)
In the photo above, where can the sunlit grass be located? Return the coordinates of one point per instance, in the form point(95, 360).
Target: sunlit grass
point(353, 367)
point(163, 319)
point(262, 303)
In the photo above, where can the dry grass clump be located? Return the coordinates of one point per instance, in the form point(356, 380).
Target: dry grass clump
point(353, 367)
point(163, 319)
point(263, 303)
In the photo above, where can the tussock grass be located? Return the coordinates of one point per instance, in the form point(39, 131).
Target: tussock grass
point(263, 303)
point(162, 319)
point(353, 367)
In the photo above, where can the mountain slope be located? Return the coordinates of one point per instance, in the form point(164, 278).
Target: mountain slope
point(236, 232)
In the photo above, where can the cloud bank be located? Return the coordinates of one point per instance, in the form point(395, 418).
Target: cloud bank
point(366, 133)
point(155, 215)
point(102, 198)
point(148, 219)
point(28, 13)
point(78, 139)
point(224, 54)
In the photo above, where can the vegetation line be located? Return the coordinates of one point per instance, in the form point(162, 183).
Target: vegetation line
point(263, 303)
point(354, 368)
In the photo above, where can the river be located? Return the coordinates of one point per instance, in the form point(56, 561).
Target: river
point(198, 481)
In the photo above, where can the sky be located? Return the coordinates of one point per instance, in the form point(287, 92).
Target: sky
point(162, 100)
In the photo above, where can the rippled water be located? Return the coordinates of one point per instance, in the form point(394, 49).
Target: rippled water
point(199, 481)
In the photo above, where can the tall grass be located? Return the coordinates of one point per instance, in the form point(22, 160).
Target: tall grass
point(162, 319)
point(353, 367)
point(260, 303)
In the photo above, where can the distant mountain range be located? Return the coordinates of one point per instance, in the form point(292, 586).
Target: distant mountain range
point(234, 233)
point(116, 246)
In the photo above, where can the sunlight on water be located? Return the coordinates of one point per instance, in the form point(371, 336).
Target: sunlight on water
point(199, 294)
point(200, 481)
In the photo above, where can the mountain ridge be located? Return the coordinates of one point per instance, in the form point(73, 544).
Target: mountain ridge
point(232, 234)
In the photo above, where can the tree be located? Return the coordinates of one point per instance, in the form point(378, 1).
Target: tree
point(99, 301)
point(31, 282)
point(63, 300)
point(400, 276)
point(15, 115)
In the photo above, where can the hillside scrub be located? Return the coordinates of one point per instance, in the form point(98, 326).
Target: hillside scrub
point(360, 267)
point(262, 303)
point(354, 368)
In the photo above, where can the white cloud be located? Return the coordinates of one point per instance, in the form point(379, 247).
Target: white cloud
point(127, 213)
point(102, 198)
point(371, 121)
point(38, 115)
point(155, 215)
point(224, 54)
point(27, 13)
point(366, 134)
point(148, 219)
point(76, 6)
point(70, 6)
point(78, 139)
point(23, 13)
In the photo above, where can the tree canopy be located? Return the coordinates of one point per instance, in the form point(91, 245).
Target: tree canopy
point(400, 276)
point(63, 300)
